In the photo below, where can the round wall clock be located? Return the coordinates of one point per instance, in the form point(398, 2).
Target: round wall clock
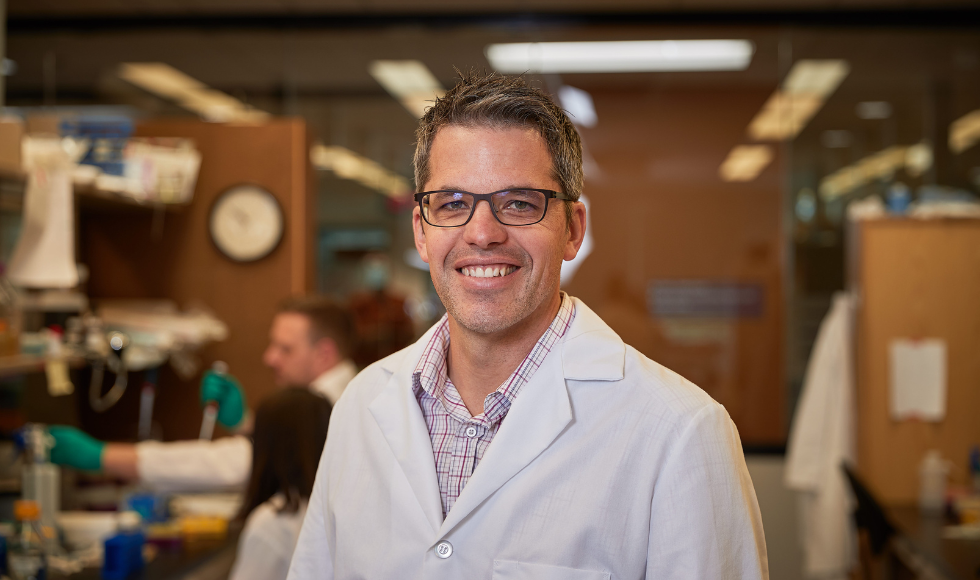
point(246, 223)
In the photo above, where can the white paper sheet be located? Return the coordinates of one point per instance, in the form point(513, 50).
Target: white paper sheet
point(918, 379)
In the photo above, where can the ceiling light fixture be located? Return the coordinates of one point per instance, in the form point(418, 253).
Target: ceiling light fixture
point(167, 82)
point(349, 165)
point(871, 110)
point(745, 162)
point(804, 91)
point(620, 56)
point(409, 81)
point(964, 132)
point(915, 159)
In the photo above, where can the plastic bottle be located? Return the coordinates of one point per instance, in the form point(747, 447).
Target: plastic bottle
point(25, 554)
point(41, 479)
point(124, 551)
point(933, 471)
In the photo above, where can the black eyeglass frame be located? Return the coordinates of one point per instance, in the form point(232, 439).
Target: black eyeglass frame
point(488, 197)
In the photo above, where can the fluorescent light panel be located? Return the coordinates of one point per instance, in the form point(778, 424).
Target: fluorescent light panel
point(745, 162)
point(165, 81)
point(621, 56)
point(915, 159)
point(964, 132)
point(804, 91)
point(349, 165)
point(409, 81)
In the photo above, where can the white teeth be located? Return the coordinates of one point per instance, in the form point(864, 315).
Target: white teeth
point(488, 272)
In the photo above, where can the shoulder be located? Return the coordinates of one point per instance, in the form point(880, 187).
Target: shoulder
point(370, 381)
point(595, 354)
point(268, 526)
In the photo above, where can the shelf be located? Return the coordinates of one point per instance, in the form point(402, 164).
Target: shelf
point(21, 364)
point(86, 195)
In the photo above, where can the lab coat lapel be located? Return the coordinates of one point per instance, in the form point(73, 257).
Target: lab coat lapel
point(540, 412)
point(398, 415)
point(590, 350)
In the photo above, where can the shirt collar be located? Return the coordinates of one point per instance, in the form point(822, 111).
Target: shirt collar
point(432, 373)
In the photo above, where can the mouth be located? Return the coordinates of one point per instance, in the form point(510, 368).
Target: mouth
point(487, 271)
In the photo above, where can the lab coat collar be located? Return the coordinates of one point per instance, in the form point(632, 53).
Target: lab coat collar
point(332, 383)
point(589, 350)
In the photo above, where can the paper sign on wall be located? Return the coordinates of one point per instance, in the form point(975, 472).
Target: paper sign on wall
point(918, 379)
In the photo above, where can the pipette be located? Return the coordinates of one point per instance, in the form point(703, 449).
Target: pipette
point(211, 409)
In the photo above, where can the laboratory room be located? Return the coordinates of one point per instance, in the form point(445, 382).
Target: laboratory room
point(719, 317)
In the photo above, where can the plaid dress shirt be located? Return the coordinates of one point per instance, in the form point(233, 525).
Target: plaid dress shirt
point(459, 440)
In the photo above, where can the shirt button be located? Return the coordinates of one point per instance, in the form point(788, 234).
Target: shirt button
point(444, 550)
point(471, 431)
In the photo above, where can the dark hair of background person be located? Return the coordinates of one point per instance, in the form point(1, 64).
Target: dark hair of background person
point(290, 430)
point(328, 319)
point(499, 102)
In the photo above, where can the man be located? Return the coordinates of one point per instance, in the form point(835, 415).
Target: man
point(520, 437)
point(309, 345)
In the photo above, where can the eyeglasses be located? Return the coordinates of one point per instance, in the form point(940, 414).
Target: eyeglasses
point(446, 208)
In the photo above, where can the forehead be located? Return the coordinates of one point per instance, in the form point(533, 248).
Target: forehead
point(487, 158)
point(291, 327)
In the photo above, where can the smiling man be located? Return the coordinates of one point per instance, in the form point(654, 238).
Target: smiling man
point(520, 437)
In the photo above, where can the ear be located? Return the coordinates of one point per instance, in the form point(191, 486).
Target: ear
point(419, 228)
point(327, 351)
point(576, 231)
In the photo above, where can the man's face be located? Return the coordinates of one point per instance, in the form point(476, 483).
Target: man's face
point(482, 160)
point(291, 355)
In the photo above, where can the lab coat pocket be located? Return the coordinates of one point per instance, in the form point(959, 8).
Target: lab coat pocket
point(509, 570)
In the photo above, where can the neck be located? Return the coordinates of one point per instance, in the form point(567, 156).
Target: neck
point(480, 363)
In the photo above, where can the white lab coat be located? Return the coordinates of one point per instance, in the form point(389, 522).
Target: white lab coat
point(821, 440)
point(223, 463)
point(267, 541)
point(607, 466)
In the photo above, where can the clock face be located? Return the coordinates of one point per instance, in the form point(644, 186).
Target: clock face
point(246, 223)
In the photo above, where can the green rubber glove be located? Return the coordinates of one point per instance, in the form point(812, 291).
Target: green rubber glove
point(225, 390)
point(75, 448)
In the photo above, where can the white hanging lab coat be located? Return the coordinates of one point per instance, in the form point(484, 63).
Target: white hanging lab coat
point(821, 440)
point(607, 466)
point(223, 463)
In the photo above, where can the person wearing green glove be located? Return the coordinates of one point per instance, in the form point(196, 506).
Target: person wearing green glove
point(309, 345)
point(225, 391)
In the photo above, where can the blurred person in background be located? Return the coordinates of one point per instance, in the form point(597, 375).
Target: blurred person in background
point(290, 428)
point(382, 323)
point(310, 343)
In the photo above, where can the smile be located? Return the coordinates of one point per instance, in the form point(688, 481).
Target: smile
point(489, 271)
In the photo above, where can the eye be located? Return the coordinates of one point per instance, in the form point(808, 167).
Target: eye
point(519, 205)
point(454, 205)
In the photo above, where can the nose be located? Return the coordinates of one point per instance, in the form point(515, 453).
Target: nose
point(483, 229)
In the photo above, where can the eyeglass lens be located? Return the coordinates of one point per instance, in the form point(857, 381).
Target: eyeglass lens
point(514, 208)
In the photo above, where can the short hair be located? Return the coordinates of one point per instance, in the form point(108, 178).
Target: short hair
point(497, 101)
point(328, 319)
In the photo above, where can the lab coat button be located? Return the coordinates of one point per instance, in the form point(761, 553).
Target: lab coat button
point(471, 431)
point(444, 550)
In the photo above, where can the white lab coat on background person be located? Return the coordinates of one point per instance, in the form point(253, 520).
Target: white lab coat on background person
point(821, 440)
point(224, 463)
point(607, 465)
point(267, 541)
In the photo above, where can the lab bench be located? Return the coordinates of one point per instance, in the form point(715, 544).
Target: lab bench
point(207, 560)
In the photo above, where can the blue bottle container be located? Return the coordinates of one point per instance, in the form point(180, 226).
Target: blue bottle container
point(124, 551)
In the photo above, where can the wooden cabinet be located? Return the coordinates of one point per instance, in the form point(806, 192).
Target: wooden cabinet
point(131, 254)
point(916, 279)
